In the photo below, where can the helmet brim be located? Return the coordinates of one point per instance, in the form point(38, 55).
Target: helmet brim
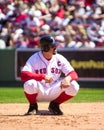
point(54, 44)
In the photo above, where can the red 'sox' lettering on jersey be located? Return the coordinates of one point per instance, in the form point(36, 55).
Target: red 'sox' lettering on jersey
point(55, 70)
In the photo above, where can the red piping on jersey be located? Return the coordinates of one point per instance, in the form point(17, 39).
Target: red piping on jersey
point(26, 75)
point(73, 75)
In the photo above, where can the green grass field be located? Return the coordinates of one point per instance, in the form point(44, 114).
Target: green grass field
point(16, 95)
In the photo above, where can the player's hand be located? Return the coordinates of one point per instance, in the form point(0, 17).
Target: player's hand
point(48, 79)
point(65, 83)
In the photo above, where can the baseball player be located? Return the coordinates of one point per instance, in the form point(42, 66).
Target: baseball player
point(41, 76)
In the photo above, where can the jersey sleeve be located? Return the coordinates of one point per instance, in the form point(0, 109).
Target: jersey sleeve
point(73, 75)
point(29, 66)
point(68, 70)
point(66, 67)
point(28, 73)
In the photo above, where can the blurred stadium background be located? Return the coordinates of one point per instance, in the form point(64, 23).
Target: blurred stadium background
point(77, 25)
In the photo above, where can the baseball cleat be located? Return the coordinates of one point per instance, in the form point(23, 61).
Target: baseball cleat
point(55, 109)
point(33, 109)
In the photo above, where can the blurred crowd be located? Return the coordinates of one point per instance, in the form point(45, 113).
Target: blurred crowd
point(73, 23)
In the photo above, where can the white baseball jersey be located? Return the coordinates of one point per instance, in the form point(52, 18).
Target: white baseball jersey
point(37, 63)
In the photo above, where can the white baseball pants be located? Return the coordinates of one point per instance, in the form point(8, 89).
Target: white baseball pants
point(47, 92)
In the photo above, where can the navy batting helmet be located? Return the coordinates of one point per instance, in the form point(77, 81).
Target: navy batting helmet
point(46, 42)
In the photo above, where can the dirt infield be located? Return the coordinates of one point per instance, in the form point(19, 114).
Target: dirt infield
point(77, 116)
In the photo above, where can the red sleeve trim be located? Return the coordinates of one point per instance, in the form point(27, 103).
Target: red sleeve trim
point(73, 75)
point(25, 75)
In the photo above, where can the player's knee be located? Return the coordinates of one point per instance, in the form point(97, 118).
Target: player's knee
point(30, 86)
point(73, 89)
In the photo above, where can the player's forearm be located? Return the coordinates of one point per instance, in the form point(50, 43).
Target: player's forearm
point(73, 75)
point(25, 75)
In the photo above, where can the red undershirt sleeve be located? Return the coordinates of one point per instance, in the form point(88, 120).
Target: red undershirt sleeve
point(26, 75)
point(73, 75)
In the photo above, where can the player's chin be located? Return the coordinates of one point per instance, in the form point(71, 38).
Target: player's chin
point(54, 52)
